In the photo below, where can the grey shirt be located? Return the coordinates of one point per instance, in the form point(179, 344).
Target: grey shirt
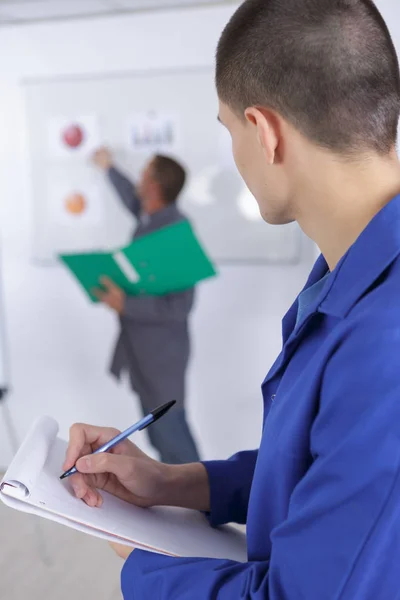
point(153, 344)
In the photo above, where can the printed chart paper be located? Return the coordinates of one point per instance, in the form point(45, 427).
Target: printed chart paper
point(79, 205)
point(153, 132)
point(75, 136)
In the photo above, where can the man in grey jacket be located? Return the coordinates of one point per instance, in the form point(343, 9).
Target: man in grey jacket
point(153, 344)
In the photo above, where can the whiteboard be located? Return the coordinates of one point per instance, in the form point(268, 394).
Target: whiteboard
point(224, 213)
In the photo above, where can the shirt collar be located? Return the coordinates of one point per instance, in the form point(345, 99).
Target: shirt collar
point(160, 215)
point(370, 255)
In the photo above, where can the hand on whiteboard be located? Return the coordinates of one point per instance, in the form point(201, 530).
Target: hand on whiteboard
point(122, 551)
point(103, 159)
point(111, 295)
point(125, 471)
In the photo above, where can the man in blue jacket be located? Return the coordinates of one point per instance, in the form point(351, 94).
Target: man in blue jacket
point(310, 92)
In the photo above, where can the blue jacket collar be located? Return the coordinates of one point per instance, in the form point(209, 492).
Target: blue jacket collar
point(370, 255)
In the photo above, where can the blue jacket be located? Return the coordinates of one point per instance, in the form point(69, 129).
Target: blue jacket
point(321, 496)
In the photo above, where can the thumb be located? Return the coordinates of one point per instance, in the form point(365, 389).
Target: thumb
point(119, 465)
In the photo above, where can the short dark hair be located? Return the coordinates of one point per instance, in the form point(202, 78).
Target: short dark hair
point(329, 67)
point(170, 176)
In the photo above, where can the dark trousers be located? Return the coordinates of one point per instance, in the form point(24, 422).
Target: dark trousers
point(171, 435)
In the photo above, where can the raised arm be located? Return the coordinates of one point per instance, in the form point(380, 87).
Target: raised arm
point(124, 187)
point(126, 190)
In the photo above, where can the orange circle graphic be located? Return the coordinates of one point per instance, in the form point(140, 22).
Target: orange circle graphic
point(75, 204)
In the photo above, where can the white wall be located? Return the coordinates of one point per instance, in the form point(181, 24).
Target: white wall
point(59, 346)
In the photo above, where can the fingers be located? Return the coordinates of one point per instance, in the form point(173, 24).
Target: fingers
point(119, 465)
point(83, 491)
point(122, 551)
point(78, 438)
point(108, 292)
point(102, 157)
point(111, 294)
point(108, 284)
point(85, 439)
point(99, 294)
point(93, 499)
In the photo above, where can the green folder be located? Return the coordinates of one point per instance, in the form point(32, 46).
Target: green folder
point(168, 260)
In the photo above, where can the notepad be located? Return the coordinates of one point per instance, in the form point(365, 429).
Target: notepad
point(170, 259)
point(32, 485)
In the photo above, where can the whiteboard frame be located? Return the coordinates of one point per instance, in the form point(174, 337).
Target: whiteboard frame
point(120, 12)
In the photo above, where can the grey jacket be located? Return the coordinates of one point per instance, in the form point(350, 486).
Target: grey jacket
point(153, 344)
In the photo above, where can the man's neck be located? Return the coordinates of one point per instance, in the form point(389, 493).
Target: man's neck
point(340, 201)
point(155, 208)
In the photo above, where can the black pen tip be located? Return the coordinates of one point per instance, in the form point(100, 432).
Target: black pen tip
point(63, 476)
point(161, 410)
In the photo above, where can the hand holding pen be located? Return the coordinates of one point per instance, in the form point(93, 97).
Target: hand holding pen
point(100, 458)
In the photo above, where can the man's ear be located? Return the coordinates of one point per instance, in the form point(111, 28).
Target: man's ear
point(267, 129)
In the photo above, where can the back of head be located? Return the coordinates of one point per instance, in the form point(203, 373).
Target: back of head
point(170, 177)
point(329, 67)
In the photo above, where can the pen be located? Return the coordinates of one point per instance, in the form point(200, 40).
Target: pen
point(142, 424)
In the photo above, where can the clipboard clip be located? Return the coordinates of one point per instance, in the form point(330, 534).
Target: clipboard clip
point(15, 489)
